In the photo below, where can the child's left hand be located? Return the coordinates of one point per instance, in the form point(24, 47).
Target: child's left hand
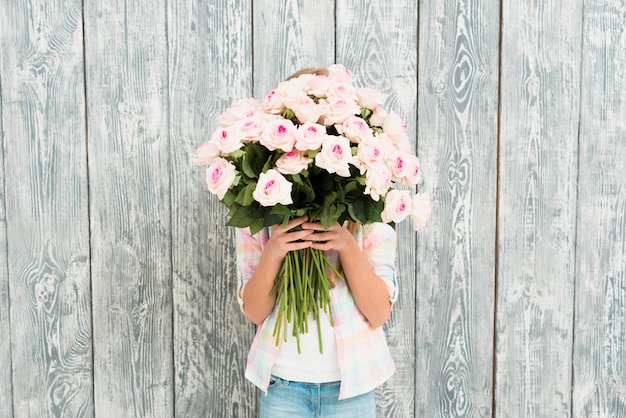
point(334, 238)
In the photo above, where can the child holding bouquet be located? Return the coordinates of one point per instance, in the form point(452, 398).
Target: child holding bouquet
point(307, 176)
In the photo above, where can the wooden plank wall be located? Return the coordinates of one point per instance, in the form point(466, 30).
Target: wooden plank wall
point(117, 276)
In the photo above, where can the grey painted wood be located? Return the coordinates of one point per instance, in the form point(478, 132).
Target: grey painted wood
point(455, 256)
point(6, 389)
point(600, 327)
point(129, 181)
point(365, 46)
point(209, 67)
point(289, 36)
point(46, 208)
point(537, 207)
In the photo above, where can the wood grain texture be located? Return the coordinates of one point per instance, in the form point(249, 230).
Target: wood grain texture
point(288, 36)
point(6, 387)
point(210, 66)
point(537, 207)
point(600, 329)
point(129, 172)
point(455, 254)
point(369, 34)
point(46, 207)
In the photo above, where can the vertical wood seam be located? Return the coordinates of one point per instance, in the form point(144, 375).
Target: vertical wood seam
point(575, 249)
point(417, 136)
point(6, 240)
point(496, 237)
point(90, 247)
point(168, 115)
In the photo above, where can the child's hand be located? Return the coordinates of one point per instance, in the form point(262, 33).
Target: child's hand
point(334, 238)
point(282, 240)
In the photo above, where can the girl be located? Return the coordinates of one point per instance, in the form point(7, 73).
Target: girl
point(339, 382)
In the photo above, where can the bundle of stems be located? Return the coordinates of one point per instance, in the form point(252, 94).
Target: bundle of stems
point(302, 285)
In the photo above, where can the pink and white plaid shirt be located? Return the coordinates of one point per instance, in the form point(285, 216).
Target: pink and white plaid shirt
point(364, 357)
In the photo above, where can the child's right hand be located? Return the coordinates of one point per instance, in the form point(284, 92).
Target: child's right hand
point(284, 239)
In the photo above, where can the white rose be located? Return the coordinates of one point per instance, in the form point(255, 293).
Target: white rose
point(219, 176)
point(378, 116)
point(338, 72)
point(397, 206)
point(335, 156)
point(226, 140)
point(308, 112)
point(377, 181)
point(337, 110)
point(368, 97)
point(241, 109)
point(318, 86)
point(421, 210)
point(310, 136)
point(355, 129)
point(395, 128)
point(279, 133)
point(272, 188)
point(286, 94)
point(206, 153)
point(292, 162)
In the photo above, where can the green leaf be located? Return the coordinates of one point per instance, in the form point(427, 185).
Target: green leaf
point(373, 209)
point(357, 211)
point(256, 226)
point(366, 113)
point(244, 198)
point(247, 168)
point(279, 209)
point(241, 217)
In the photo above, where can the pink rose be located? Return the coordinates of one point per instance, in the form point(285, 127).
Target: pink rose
point(310, 136)
point(412, 173)
point(377, 181)
point(206, 153)
point(292, 162)
point(373, 152)
point(342, 90)
point(241, 109)
point(368, 97)
point(286, 94)
point(335, 156)
point(249, 129)
point(395, 128)
point(338, 109)
point(355, 129)
point(219, 176)
point(397, 206)
point(421, 210)
point(338, 72)
point(279, 133)
point(226, 140)
point(272, 188)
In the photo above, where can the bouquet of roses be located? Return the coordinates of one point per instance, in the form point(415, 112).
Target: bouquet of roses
point(317, 145)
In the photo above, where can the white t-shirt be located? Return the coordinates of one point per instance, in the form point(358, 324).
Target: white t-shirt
point(310, 365)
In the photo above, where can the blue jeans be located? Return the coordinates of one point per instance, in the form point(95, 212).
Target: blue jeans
point(287, 399)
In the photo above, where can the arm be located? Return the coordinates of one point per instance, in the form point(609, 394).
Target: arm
point(258, 303)
point(368, 290)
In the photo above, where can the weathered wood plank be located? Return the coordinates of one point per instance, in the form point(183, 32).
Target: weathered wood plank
point(46, 207)
point(6, 388)
point(457, 131)
point(377, 41)
point(600, 310)
point(210, 66)
point(129, 171)
point(537, 207)
point(289, 36)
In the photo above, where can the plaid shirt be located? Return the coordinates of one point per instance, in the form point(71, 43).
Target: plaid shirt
point(363, 355)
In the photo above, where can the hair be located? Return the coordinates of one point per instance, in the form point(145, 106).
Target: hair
point(315, 71)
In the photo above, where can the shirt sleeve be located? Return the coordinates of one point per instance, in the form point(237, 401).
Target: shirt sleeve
point(379, 249)
point(249, 250)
